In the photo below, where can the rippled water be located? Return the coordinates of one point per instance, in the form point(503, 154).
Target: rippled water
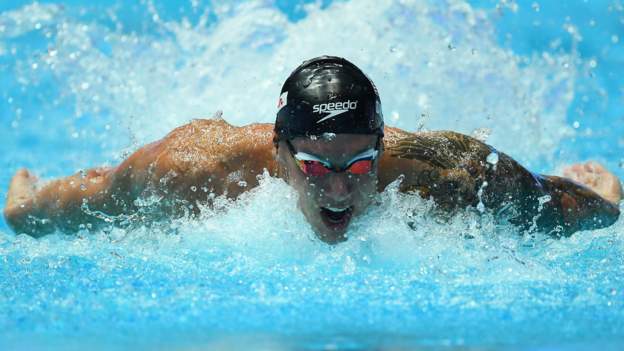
point(87, 84)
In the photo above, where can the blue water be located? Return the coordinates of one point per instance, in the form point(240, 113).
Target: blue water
point(86, 84)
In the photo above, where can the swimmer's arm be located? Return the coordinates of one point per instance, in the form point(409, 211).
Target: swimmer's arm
point(572, 207)
point(77, 201)
point(453, 169)
point(188, 167)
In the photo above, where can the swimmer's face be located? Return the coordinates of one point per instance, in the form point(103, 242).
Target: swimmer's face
point(330, 201)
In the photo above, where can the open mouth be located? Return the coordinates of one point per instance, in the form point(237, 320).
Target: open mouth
point(336, 218)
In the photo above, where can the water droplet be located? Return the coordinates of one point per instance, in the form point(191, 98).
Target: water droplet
point(480, 207)
point(492, 158)
point(193, 188)
point(35, 66)
point(615, 39)
point(544, 199)
point(394, 116)
point(329, 136)
point(84, 86)
point(481, 134)
point(576, 124)
point(593, 63)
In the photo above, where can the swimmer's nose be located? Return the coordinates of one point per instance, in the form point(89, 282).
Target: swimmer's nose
point(337, 188)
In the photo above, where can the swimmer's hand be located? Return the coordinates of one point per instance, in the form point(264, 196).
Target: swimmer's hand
point(20, 197)
point(594, 176)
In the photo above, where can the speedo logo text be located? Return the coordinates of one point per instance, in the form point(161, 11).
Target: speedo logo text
point(335, 106)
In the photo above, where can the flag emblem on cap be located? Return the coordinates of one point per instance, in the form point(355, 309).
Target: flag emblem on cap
point(282, 101)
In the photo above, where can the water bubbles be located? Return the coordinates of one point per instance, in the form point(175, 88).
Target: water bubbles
point(242, 183)
point(615, 39)
point(593, 63)
point(35, 65)
point(535, 6)
point(84, 86)
point(576, 124)
point(193, 188)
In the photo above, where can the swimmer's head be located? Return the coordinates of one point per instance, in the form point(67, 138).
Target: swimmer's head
point(328, 134)
point(328, 94)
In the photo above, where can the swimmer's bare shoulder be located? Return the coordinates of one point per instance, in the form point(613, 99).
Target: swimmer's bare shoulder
point(180, 170)
point(459, 171)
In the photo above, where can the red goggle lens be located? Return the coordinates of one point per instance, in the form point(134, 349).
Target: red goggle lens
point(313, 168)
point(361, 167)
point(317, 169)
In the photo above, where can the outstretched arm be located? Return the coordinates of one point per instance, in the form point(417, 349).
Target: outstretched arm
point(189, 166)
point(459, 171)
point(79, 201)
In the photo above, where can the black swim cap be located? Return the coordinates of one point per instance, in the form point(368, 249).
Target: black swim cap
point(328, 94)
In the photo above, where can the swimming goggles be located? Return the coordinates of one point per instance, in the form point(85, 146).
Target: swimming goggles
point(313, 166)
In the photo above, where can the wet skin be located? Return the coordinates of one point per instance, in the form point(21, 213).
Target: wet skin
point(205, 158)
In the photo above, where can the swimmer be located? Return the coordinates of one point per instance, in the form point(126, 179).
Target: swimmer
point(330, 144)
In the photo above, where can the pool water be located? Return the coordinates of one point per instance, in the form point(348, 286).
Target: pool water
point(85, 84)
